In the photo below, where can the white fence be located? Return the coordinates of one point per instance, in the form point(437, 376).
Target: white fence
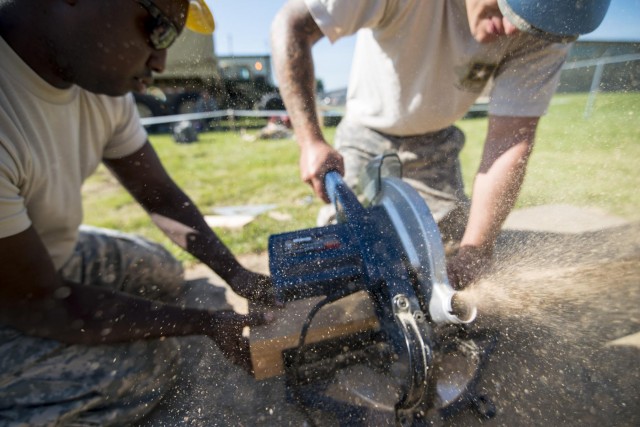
point(229, 114)
point(598, 63)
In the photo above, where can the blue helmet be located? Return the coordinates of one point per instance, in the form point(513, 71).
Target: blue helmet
point(558, 20)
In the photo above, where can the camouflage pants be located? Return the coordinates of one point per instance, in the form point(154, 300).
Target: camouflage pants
point(47, 383)
point(430, 164)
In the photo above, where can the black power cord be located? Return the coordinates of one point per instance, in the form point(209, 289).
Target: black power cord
point(298, 352)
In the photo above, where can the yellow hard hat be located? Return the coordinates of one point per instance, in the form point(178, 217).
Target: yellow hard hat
point(199, 17)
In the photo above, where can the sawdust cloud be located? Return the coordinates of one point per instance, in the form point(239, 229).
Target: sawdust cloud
point(556, 308)
point(571, 304)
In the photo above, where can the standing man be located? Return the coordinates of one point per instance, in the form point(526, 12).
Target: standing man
point(86, 314)
point(417, 68)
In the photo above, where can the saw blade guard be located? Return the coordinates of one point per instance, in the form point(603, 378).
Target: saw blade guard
point(419, 236)
point(422, 243)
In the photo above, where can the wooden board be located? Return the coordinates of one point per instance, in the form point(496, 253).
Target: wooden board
point(349, 315)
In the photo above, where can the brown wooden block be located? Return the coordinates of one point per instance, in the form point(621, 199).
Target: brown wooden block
point(347, 316)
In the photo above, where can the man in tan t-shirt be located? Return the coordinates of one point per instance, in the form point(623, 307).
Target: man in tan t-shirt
point(87, 316)
point(418, 66)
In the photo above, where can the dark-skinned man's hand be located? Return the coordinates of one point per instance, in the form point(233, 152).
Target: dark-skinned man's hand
point(226, 331)
point(255, 287)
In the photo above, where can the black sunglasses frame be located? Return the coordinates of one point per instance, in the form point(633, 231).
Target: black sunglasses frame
point(163, 32)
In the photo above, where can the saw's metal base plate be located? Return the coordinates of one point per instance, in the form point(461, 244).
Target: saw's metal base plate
point(456, 373)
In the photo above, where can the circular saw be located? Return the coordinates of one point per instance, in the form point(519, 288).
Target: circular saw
point(411, 365)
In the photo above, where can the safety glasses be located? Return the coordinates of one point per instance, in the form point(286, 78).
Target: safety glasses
point(162, 31)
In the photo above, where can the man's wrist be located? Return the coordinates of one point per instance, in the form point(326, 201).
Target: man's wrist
point(229, 269)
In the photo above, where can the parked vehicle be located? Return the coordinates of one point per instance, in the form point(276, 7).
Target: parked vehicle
point(197, 80)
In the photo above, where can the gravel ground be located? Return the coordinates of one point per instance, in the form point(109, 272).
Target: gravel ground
point(567, 317)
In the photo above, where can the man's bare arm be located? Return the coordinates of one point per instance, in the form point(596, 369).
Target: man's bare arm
point(499, 179)
point(293, 34)
point(496, 187)
point(35, 300)
point(143, 175)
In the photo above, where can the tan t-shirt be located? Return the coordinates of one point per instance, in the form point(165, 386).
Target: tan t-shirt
point(51, 140)
point(417, 68)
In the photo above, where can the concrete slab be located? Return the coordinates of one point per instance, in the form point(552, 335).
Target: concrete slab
point(632, 340)
point(562, 218)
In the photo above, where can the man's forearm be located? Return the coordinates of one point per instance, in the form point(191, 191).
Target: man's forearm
point(171, 209)
point(494, 195)
point(499, 178)
point(293, 34)
point(187, 228)
point(80, 314)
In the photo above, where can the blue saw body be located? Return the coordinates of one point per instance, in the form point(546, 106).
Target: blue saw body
point(392, 250)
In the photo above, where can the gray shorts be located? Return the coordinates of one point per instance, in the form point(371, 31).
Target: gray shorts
point(430, 164)
point(44, 382)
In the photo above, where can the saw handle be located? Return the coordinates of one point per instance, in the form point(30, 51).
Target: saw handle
point(344, 200)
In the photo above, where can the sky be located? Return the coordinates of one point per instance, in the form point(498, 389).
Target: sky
point(242, 28)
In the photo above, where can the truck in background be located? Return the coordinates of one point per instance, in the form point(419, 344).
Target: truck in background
point(197, 80)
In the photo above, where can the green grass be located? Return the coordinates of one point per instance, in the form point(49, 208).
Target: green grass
point(592, 161)
point(581, 161)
